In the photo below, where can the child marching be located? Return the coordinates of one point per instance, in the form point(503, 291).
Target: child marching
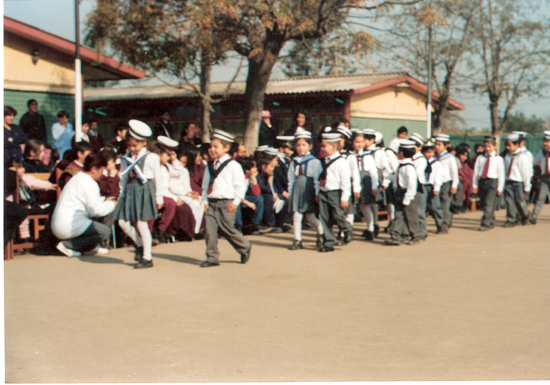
point(518, 181)
point(542, 159)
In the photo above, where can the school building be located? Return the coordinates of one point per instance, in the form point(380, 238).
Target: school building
point(381, 101)
point(41, 66)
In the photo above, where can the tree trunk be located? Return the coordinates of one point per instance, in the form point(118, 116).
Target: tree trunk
point(496, 130)
point(259, 70)
point(205, 106)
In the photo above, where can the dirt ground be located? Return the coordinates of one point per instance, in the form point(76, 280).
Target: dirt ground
point(468, 305)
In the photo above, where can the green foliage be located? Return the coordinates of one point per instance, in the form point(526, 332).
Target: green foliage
point(519, 122)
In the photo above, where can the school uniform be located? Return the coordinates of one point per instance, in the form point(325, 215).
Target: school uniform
point(334, 186)
point(253, 195)
point(489, 180)
point(518, 180)
point(392, 164)
point(268, 192)
point(406, 210)
point(543, 160)
point(355, 181)
point(421, 164)
point(223, 184)
point(450, 180)
point(434, 181)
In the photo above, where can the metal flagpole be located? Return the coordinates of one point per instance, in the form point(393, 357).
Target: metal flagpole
point(78, 78)
point(430, 74)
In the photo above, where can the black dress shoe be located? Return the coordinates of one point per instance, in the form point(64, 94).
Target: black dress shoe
point(296, 245)
point(246, 256)
point(509, 224)
point(143, 264)
point(413, 241)
point(319, 243)
point(163, 237)
point(376, 231)
point(138, 254)
point(532, 221)
point(392, 242)
point(348, 237)
point(339, 241)
point(326, 249)
point(388, 227)
point(209, 264)
point(369, 235)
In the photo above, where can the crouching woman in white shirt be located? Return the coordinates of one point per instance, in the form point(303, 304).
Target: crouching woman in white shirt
point(79, 204)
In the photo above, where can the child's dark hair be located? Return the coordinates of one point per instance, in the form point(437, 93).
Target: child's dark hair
point(233, 149)
point(108, 154)
point(308, 140)
point(461, 151)
point(357, 134)
point(119, 127)
point(70, 155)
point(8, 111)
point(15, 162)
point(369, 136)
point(407, 152)
point(54, 156)
point(246, 162)
point(32, 145)
point(82, 146)
point(94, 160)
point(204, 149)
point(265, 160)
point(63, 114)
point(426, 148)
point(191, 153)
point(402, 130)
point(480, 146)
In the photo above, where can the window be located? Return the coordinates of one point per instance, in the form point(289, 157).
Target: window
point(332, 104)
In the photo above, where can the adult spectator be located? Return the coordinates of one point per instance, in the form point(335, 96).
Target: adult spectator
point(303, 119)
point(402, 133)
point(189, 136)
point(33, 124)
point(14, 136)
point(96, 140)
point(268, 132)
point(163, 127)
point(62, 133)
point(74, 220)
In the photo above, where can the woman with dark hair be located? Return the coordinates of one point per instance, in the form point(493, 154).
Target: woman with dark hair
point(14, 136)
point(195, 167)
point(303, 119)
point(189, 135)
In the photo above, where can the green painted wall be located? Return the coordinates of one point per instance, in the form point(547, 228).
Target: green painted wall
point(388, 127)
point(49, 104)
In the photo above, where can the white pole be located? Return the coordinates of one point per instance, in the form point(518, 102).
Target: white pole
point(78, 78)
point(430, 74)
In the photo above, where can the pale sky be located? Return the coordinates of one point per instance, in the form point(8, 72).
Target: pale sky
point(57, 17)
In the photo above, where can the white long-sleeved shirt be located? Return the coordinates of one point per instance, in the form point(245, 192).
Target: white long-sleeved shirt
point(434, 178)
point(382, 162)
point(521, 168)
point(180, 181)
point(496, 170)
point(407, 180)
point(540, 159)
point(449, 169)
point(367, 163)
point(338, 176)
point(229, 184)
point(62, 137)
point(530, 157)
point(80, 201)
point(355, 179)
point(150, 171)
point(313, 170)
point(420, 163)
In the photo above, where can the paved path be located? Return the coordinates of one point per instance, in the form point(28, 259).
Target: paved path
point(462, 306)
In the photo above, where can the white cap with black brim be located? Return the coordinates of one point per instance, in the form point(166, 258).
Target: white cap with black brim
point(406, 143)
point(139, 130)
point(331, 137)
point(222, 135)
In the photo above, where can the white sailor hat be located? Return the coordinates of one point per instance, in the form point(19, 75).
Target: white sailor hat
point(344, 131)
point(429, 144)
point(139, 130)
point(261, 148)
point(406, 143)
point(285, 138)
point(327, 129)
point(272, 151)
point(489, 138)
point(369, 131)
point(521, 134)
point(222, 135)
point(513, 137)
point(546, 134)
point(417, 138)
point(378, 137)
point(331, 137)
point(442, 138)
point(302, 134)
point(166, 142)
point(278, 206)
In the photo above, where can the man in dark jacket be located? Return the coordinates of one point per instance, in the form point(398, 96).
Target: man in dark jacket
point(33, 124)
point(268, 133)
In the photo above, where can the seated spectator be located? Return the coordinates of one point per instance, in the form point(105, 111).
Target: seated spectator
point(96, 140)
point(233, 150)
point(253, 200)
point(195, 166)
point(243, 152)
point(82, 150)
point(33, 156)
point(62, 133)
point(74, 219)
point(270, 196)
point(14, 136)
point(206, 154)
point(54, 159)
point(189, 136)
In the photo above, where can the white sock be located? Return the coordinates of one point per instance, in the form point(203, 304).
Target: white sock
point(350, 218)
point(311, 218)
point(147, 239)
point(391, 211)
point(374, 209)
point(367, 213)
point(298, 226)
point(130, 231)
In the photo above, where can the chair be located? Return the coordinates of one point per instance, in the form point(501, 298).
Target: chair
point(38, 221)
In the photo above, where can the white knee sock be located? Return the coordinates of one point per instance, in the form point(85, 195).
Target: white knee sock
point(147, 239)
point(374, 209)
point(311, 218)
point(391, 211)
point(367, 213)
point(298, 226)
point(130, 231)
point(350, 218)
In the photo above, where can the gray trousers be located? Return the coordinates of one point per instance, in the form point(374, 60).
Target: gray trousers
point(329, 211)
point(406, 220)
point(96, 234)
point(421, 203)
point(515, 202)
point(434, 205)
point(446, 199)
point(217, 217)
point(541, 197)
point(488, 198)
